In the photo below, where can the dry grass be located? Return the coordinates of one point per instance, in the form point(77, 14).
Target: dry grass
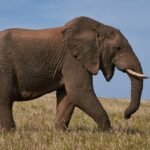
point(35, 131)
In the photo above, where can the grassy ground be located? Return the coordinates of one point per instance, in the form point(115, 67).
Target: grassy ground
point(35, 131)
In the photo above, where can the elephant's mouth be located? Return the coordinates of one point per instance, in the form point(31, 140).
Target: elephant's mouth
point(108, 72)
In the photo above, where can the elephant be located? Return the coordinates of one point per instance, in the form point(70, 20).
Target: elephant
point(64, 59)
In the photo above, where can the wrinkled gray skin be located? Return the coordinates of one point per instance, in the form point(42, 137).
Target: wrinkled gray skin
point(64, 59)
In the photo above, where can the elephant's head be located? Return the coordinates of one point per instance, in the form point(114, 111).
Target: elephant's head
point(98, 46)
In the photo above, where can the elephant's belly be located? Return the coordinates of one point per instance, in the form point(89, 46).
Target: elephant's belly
point(30, 95)
point(30, 91)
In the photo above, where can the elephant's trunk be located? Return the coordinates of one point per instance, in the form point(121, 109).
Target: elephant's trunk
point(136, 91)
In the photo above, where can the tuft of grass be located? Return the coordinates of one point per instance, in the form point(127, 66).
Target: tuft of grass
point(34, 121)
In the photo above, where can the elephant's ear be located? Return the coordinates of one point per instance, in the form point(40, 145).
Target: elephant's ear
point(83, 45)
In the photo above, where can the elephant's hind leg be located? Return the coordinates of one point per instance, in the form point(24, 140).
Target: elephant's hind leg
point(64, 110)
point(6, 103)
point(6, 117)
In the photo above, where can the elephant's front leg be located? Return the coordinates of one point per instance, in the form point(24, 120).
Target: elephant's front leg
point(91, 106)
point(89, 103)
point(80, 92)
point(64, 110)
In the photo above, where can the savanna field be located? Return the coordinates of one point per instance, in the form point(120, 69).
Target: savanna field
point(34, 121)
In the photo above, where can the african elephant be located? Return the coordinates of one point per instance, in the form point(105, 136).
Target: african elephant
point(64, 59)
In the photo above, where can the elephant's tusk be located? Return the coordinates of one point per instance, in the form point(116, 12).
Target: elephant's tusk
point(137, 74)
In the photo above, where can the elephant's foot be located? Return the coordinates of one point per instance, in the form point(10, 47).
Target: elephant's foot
point(6, 119)
point(105, 125)
point(60, 126)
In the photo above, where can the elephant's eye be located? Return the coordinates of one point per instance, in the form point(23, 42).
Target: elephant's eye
point(97, 35)
point(117, 48)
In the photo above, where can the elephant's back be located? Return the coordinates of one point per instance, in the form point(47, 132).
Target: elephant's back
point(31, 33)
